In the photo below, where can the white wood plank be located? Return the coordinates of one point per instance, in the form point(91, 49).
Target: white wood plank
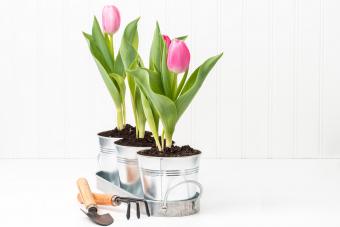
point(307, 79)
point(205, 44)
point(256, 83)
point(6, 83)
point(83, 84)
point(18, 90)
point(331, 80)
point(282, 118)
point(229, 133)
point(51, 80)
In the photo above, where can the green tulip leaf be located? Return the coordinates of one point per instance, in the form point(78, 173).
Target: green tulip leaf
point(100, 43)
point(130, 34)
point(167, 77)
point(129, 45)
point(151, 117)
point(94, 51)
point(194, 83)
point(141, 120)
point(119, 66)
point(87, 36)
point(181, 84)
point(182, 37)
point(155, 59)
point(111, 86)
point(164, 106)
point(119, 80)
point(155, 81)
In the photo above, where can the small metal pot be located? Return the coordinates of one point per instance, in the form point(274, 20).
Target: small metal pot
point(127, 164)
point(107, 159)
point(160, 175)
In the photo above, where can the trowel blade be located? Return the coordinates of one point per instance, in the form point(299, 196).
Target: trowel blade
point(100, 219)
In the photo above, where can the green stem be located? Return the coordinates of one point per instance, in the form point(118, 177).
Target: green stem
point(174, 86)
point(141, 131)
point(162, 138)
point(111, 48)
point(158, 145)
point(124, 113)
point(120, 120)
point(168, 140)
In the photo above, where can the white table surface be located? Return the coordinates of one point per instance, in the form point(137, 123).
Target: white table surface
point(237, 193)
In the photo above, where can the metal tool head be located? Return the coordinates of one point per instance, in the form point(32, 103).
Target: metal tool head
point(128, 201)
point(100, 219)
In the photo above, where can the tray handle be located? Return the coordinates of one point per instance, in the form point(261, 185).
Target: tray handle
point(165, 200)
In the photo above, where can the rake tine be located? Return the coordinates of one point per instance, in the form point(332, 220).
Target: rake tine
point(128, 211)
point(138, 211)
point(147, 208)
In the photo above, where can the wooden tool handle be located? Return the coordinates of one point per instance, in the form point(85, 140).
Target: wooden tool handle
point(86, 193)
point(100, 199)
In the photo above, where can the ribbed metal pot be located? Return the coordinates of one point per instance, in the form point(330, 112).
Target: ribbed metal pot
point(107, 158)
point(127, 164)
point(162, 174)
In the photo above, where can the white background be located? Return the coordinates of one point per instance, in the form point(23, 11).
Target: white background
point(274, 94)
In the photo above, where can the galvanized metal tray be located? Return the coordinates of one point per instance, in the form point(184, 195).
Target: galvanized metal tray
point(162, 208)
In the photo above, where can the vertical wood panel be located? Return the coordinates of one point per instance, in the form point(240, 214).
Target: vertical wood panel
point(204, 37)
point(83, 84)
point(283, 80)
point(257, 79)
point(331, 79)
point(308, 79)
point(230, 81)
point(24, 71)
point(6, 120)
point(18, 80)
point(51, 80)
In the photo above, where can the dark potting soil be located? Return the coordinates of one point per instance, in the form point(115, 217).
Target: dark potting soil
point(128, 132)
point(147, 141)
point(174, 151)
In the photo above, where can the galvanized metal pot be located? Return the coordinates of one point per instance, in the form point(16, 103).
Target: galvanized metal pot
point(169, 178)
point(107, 158)
point(127, 164)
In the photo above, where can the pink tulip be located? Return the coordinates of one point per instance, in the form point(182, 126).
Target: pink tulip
point(178, 56)
point(167, 40)
point(110, 19)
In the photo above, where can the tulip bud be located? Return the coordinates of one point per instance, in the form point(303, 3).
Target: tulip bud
point(167, 40)
point(178, 56)
point(110, 19)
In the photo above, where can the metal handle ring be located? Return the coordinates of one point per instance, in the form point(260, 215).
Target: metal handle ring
point(165, 200)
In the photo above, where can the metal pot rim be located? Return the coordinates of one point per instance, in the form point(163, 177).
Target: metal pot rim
point(118, 145)
point(108, 137)
point(156, 157)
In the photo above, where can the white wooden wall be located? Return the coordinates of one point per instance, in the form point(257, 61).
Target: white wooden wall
point(274, 94)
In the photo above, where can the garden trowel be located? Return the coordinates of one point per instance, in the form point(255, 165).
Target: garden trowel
point(90, 204)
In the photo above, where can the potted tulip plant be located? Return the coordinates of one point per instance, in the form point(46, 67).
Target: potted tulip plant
point(113, 71)
point(128, 147)
point(166, 166)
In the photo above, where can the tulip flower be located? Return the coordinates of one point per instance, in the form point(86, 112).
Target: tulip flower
point(110, 19)
point(178, 56)
point(167, 40)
